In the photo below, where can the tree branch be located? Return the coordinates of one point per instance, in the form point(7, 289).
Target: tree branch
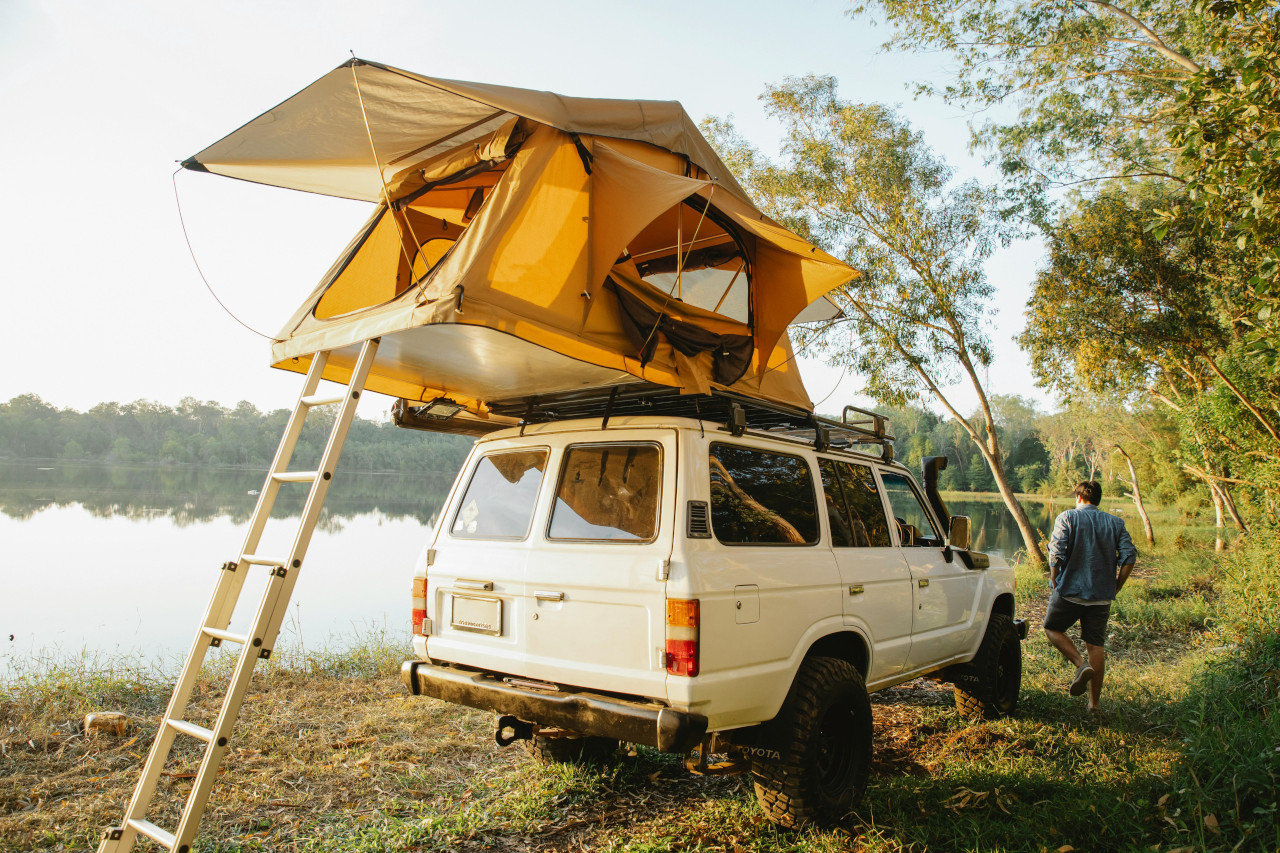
point(1156, 42)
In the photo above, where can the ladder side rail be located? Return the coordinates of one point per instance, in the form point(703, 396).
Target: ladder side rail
point(275, 602)
point(319, 490)
point(218, 612)
point(220, 616)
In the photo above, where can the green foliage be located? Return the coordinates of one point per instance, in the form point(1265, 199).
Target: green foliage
point(207, 434)
point(1031, 477)
point(1228, 136)
point(1068, 90)
point(1164, 280)
point(979, 475)
point(1115, 308)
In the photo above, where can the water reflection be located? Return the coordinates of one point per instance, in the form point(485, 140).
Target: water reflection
point(993, 528)
point(122, 559)
point(196, 495)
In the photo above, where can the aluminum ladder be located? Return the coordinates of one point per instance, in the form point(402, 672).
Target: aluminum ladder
point(258, 642)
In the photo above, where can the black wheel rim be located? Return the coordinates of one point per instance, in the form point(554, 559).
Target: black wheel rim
point(837, 740)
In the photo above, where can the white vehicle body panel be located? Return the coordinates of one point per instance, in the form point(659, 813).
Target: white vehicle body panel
point(591, 615)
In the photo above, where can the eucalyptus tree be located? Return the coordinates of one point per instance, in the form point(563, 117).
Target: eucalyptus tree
point(1065, 90)
point(856, 180)
point(1121, 309)
point(1073, 92)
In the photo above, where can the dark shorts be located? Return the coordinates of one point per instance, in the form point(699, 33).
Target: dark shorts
point(1062, 614)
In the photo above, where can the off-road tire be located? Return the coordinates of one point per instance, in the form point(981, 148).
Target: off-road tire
point(988, 686)
point(573, 750)
point(822, 738)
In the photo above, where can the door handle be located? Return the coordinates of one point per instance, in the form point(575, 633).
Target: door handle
point(924, 582)
point(484, 586)
point(544, 595)
point(855, 589)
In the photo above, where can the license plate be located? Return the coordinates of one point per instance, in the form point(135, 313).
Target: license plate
point(478, 614)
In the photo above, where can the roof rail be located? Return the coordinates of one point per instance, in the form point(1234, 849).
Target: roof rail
point(737, 412)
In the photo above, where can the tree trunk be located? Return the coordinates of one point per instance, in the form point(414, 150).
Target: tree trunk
point(1029, 538)
point(1230, 503)
point(1137, 498)
point(1218, 544)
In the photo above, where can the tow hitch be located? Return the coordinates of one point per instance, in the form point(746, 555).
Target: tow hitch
point(512, 729)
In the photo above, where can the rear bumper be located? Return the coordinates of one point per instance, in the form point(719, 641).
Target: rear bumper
point(644, 723)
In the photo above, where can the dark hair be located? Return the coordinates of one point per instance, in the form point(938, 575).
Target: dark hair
point(1089, 490)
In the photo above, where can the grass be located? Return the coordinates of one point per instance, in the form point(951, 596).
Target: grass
point(331, 753)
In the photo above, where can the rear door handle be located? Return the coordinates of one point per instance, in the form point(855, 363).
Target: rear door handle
point(924, 582)
point(544, 595)
point(463, 583)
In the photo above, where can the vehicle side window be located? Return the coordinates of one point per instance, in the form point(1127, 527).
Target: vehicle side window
point(499, 500)
point(608, 492)
point(761, 498)
point(837, 509)
point(914, 526)
point(866, 510)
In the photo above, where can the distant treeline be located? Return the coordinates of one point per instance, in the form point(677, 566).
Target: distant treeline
point(1023, 431)
point(196, 433)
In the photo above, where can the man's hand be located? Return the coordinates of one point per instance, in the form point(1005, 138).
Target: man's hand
point(1122, 576)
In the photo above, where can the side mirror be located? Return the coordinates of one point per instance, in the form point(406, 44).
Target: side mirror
point(958, 536)
point(904, 533)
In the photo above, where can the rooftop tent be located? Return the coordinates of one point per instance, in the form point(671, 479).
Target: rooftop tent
point(524, 243)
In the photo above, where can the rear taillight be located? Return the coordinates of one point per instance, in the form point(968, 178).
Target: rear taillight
point(419, 605)
point(682, 636)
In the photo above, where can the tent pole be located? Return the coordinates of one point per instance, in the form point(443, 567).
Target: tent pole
point(386, 195)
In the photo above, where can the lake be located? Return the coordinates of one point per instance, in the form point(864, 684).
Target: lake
point(121, 560)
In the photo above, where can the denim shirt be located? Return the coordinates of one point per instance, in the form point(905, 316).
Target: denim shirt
point(1086, 547)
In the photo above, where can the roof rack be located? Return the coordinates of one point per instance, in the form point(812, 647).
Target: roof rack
point(737, 412)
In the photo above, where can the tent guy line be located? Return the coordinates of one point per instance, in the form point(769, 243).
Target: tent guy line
point(183, 223)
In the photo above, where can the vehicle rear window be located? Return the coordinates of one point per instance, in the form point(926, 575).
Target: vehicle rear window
point(761, 498)
point(498, 503)
point(608, 492)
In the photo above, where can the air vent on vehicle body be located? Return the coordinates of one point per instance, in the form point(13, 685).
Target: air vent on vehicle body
point(699, 524)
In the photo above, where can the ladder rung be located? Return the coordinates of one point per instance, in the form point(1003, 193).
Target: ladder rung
point(255, 560)
point(162, 837)
point(321, 400)
point(226, 635)
point(197, 732)
point(295, 477)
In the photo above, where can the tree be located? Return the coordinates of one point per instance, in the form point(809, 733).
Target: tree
point(858, 181)
point(1122, 309)
point(1091, 85)
point(1227, 134)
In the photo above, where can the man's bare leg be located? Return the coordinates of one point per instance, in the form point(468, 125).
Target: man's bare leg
point(1063, 644)
point(1097, 660)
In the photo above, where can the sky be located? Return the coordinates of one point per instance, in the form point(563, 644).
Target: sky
point(102, 299)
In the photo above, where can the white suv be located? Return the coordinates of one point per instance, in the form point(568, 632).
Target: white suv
point(719, 578)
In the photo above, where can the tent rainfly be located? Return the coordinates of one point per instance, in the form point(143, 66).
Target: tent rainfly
point(525, 244)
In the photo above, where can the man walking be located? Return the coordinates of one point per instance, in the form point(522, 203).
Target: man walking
point(1085, 550)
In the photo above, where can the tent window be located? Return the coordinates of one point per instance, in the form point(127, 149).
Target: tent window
point(429, 255)
point(694, 259)
point(379, 269)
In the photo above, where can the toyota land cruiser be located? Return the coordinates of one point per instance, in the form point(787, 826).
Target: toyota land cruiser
point(706, 575)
